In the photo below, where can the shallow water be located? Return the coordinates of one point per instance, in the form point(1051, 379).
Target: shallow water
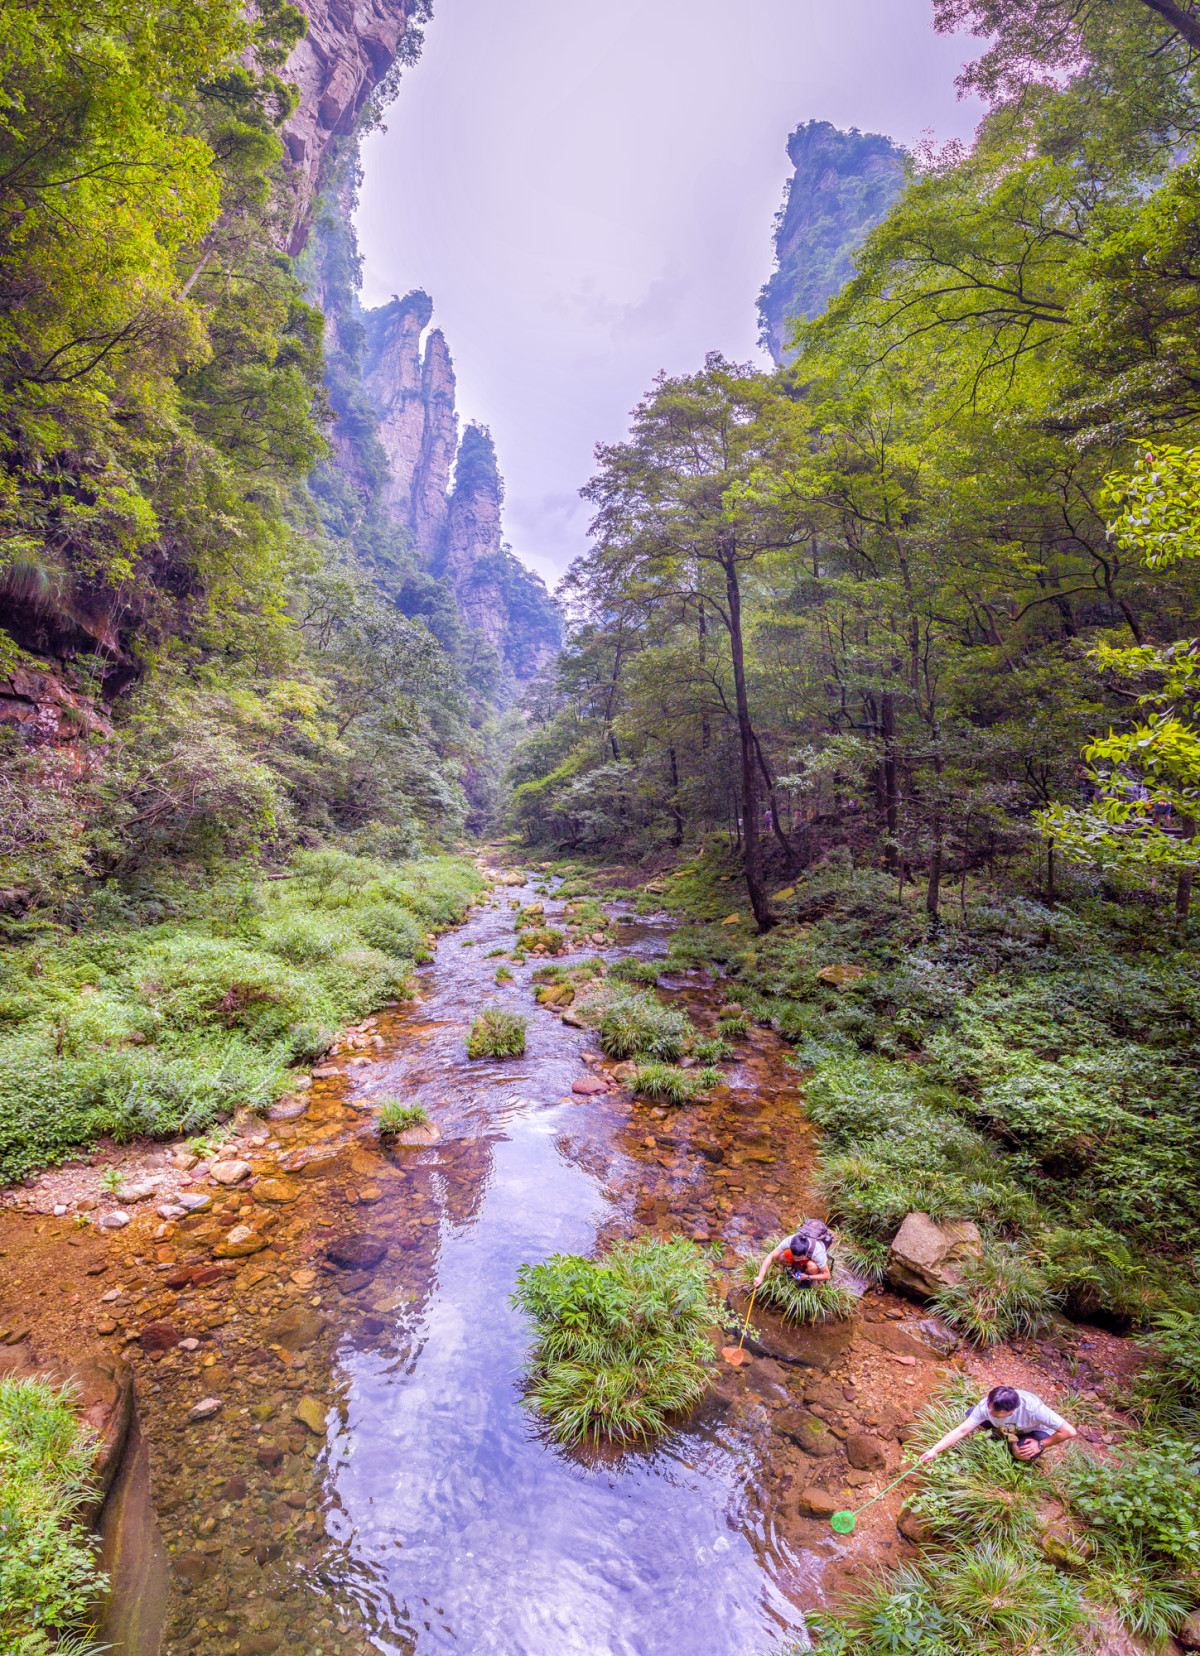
point(448, 1522)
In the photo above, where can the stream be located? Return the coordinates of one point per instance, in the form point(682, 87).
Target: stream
point(432, 1515)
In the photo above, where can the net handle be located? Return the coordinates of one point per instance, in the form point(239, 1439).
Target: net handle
point(886, 1491)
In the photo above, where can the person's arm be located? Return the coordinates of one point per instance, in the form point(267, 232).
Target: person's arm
point(768, 1262)
point(948, 1442)
point(818, 1273)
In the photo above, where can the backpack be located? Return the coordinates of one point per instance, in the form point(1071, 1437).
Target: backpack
point(816, 1230)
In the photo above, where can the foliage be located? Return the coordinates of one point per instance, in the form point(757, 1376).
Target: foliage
point(633, 1024)
point(621, 1344)
point(496, 1034)
point(49, 1575)
point(1002, 1296)
point(396, 1116)
point(1146, 1499)
point(667, 1084)
point(172, 1025)
point(645, 973)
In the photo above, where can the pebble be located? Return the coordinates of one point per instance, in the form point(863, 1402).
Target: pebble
point(113, 1221)
point(192, 1201)
point(59, 1209)
point(311, 1414)
point(190, 1344)
point(170, 1210)
point(105, 1325)
point(205, 1409)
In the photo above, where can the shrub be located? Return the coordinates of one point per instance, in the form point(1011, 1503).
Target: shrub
point(1098, 1273)
point(1170, 1383)
point(1145, 1500)
point(49, 1576)
point(496, 1034)
point(823, 1302)
point(620, 1343)
point(552, 974)
point(643, 972)
point(1148, 1602)
point(395, 1117)
point(669, 1085)
point(635, 1024)
point(1001, 1295)
point(979, 1493)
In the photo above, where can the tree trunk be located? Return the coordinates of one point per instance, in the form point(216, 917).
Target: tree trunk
point(1050, 873)
point(676, 813)
point(934, 889)
point(751, 840)
point(891, 791)
point(702, 651)
point(1183, 885)
point(1177, 18)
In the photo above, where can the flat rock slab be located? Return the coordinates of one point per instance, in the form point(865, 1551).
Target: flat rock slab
point(895, 1340)
point(805, 1430)
point(276, 1190)
point(295, 1329)
point(319, 1166)
point(811, 1345)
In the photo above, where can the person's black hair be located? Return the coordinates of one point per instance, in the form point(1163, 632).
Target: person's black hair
point(800, 1246)
point(1003, 1399)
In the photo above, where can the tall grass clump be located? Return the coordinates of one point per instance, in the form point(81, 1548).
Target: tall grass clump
point(49, 1576)
point(1001, 1296)
point(823, 1302)
point(645, 973)
point(634, 1024)
point(396, 1117)
point(496, 1034)
point(667, 1084)
point(620, 1343)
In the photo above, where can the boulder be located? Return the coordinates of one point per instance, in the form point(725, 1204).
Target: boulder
point(925, 1256)
point(809, 1345)
point(805, 1431)
point(817, 1503)
point(866, 1453)
point(295, 1329)
point(1188, 1632)
point(913, 1527)
point(230, 1172)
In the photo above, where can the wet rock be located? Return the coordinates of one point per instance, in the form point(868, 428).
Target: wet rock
point(824, 1392)
point(354, 1281)
point(588, 1084)
point(814, 1345)
point(230, 1172)
point(276, 1190)
point(368, 1194)
point(268, 1453)
point(241, 1241)
point(866, 1453)
point(113, 1221)
point(159, 1336)
point(233, 1489)
point(913, 1527)
point(288, 1109)
point(193, 1568)
point(262, 1411)
point(295, 1329)
point(205, 1409)
point(356, 1250)
point(194, 1201)
point(169, 1210)
point(573, 1020)
point(204, 1275)
point(105, 1325)
point(925, 1256)
point(319, 1166)
point(258, 1644)
point(805, 1431)
point(312, 1414)
point(817, 1503)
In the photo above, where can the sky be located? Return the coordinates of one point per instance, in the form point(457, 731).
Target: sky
point(587, 193)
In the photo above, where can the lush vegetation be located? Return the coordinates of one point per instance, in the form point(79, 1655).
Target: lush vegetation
point(634, 1023)
point(620, 1344)
point(668, 1084)
point(1006, 1570)
point(496, 1034)
point(397, 1117)
point(133, 1025)
point(49, 1576)
point(822, 1302)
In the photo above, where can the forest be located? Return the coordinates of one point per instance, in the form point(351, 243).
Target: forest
point(889, 649)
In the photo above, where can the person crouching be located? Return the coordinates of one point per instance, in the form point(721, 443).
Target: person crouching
point(1029, 1425)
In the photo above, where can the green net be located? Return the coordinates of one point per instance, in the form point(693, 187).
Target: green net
point(842, 1522)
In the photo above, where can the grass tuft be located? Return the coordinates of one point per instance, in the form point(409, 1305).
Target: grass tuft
point(823, 1302)
point(620, 1343)
point(635, 1024)
point(667, 1084)
point(496, 1034)
point(396, 1117)
point(1002, 1295)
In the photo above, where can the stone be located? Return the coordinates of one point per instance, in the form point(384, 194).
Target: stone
point(194, 1201)
point(205, 1409)
point(356, 1250)
point(268, 1454)
point(288, 1109)
point(318, 1166)
point(1188, 1631)
point(866, 1453)
point(805, 1431)
point(276, 1191)
point(113, 1221)
point(925, 1256)
point(812, 1345)
point(589, 1084)
point(230, 1172)
point(312, 1414)
point(369, 1194)
point(258, 1644)
point(240, 1242)
point(295, 1329)
point(105, 1325)
point(897, 1343)
point(817, 1503)
point(169, 1210)
point(190, 1344)
point(142, 1190)
point(184, 1160)
point(913, 1527)
point(193, 1567)
point(573, 1020)
point(824, 1392)
point(159, 1336)
point(233, 1489)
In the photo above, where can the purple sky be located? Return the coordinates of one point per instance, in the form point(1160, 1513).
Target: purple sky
point(587, 193)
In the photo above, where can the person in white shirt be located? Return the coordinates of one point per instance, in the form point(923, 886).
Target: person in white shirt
point(804, 1258)
point(1028, 1423)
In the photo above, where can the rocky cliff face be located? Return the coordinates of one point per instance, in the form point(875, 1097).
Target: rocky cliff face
point(349, 50)
point(843, 185)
